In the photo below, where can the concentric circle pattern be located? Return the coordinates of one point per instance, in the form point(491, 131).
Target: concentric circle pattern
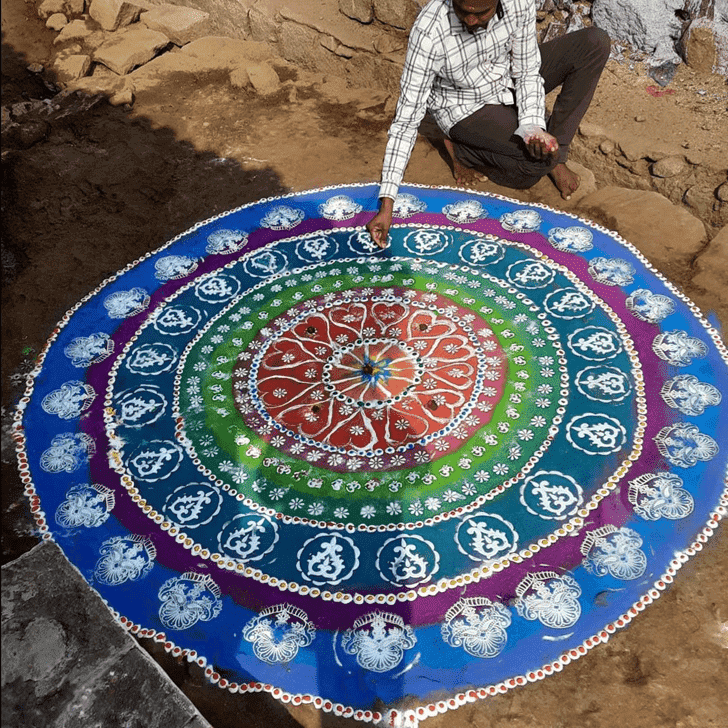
point(329, 469)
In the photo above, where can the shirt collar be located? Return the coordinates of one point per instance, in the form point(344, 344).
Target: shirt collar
point(457, 25)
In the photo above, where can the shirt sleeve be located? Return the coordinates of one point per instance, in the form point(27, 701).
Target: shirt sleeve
point(417, 78)
point(525, 71)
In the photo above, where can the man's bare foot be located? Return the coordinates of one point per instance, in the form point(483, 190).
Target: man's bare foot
point(566, 181)
point(466, 176)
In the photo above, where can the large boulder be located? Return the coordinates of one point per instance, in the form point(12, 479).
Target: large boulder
point(667, 235)
point(711, 272)
point(704, 45)
point(649, 25)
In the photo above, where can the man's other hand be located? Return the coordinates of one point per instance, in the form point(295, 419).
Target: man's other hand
point(379, 225)
point(541, 145)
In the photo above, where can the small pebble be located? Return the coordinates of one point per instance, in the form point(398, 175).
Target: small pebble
point(35, 68)
point(607, 146)
point(640, 118)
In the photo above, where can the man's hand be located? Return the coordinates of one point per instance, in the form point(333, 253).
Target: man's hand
point(541, 145)
point(379, 225)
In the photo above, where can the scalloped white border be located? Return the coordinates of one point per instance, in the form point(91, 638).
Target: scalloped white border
point(405, 716)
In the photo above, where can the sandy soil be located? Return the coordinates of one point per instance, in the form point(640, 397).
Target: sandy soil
point(105, 185)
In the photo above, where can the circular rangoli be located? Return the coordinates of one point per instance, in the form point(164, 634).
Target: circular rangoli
point(361, 477)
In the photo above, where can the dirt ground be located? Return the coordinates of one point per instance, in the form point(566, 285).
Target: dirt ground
point(100, 187)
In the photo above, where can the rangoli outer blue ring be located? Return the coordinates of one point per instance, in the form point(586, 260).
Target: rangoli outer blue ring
point(400, 579)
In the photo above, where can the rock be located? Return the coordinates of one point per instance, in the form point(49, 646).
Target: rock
point(50, 7)
point(361, 10)
point(57, 21)
point(115, 14)
point(36, 68)
point(133, 47)
point(387, 43)
point(649, 25)
point(239, 77)
point(75, 30)
point(711, 267)
point(263, 78)
point(101, 81)
point(607, 146)
point(76, 7)
point(555, 29)
point(297, 42)
point(704, 46)
point(668, 235)
point(633, 149)
point(69, 68)
point(590, 130)
point(397, 13)
point(263, 24)
point(722, 192)
point(695, 157)
point(120, 98)
point(227, 53)
point(180, 25)
point(669, 167)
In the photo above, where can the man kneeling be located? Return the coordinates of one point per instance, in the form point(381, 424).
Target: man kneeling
point(477, 67)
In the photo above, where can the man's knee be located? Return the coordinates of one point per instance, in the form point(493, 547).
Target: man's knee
point(599, 40)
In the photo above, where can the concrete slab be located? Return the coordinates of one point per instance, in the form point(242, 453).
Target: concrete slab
point(67, 663)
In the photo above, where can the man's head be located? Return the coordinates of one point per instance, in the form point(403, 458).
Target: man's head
point(474, 14)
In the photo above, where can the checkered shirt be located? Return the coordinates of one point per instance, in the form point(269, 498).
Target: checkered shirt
point(453, 73)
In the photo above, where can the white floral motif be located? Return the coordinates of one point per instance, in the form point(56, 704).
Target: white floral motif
point(278, 633)
point(123, 304)
point(282, 217)
point(648, 306)
point(465, 211)
point(614, 551)
point(660, 495)
point(188, 599)
point(611, 271)
point(224, 242)
point(406, 205)
point(124, 558)
point(477, 625)
point(86, 350)
point(688, 394)
point(678, 348)
point(69, 401)
point(339, 207)
point(571, 240)
point(550, 598)
point(67, 452)
point(683, 444)
point(85, 505)
point(172, 267)
point(378, 640)
point(521, 221)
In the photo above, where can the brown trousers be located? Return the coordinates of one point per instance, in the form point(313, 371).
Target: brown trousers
point(485, 139)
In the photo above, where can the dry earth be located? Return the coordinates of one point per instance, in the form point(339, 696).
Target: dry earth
point(102, 186)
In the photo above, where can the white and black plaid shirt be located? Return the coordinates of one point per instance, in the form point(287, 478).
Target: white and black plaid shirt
point(453, 73)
